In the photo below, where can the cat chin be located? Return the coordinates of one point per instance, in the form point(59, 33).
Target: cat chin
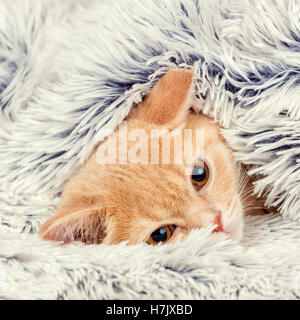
point(236, 234)
point(234, 227)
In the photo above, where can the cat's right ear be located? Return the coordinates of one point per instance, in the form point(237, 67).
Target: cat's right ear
point(87, 225)
point(170, 99)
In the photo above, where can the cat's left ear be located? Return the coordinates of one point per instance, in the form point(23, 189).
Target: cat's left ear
point(88, 226)
point(170, 99)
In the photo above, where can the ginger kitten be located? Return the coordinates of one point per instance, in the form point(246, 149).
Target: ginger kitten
point(156, 201)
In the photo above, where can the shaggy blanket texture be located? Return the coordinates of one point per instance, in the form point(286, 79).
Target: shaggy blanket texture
point(71, 70)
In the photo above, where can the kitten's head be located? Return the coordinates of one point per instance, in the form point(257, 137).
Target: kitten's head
point(147, 195)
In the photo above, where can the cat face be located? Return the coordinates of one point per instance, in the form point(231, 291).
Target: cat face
point(141, 201)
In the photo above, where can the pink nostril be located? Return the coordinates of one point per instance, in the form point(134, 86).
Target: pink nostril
point(217, 221)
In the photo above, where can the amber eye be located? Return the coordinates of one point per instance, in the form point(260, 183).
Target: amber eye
point(161, 235)
point(200, 174)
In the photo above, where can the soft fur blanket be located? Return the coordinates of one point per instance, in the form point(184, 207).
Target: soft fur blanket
point(71, 70)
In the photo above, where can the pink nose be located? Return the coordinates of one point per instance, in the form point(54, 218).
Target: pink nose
point(218, 222)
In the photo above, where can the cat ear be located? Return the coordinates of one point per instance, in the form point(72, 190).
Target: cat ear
point(169, 100)
point(88, 226)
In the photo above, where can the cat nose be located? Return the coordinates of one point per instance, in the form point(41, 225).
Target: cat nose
point(218, 222)
point(207, 218)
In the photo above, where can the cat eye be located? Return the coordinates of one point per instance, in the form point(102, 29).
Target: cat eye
point(161, 235)
point(200, 174)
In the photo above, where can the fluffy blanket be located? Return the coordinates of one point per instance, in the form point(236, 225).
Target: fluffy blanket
point(71, 70)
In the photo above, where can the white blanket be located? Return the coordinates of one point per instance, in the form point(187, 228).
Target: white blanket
point(71, 70)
